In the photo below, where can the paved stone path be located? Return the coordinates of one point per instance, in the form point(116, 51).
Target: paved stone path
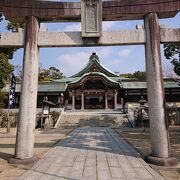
point(91, 153)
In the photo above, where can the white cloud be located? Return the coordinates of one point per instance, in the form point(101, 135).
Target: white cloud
point(73, 27)
point(125, 52)
point(113, 63)
point(107, 25)
point(104, 52)
point(71, 63)
point(69, 27)
point(77, 26)
point(43, 27)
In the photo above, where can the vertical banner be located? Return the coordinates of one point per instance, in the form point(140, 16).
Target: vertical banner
point(11, 102)
point(12, 88)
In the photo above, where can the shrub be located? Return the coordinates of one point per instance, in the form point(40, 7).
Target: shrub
point(4, 118)
point(55, 115)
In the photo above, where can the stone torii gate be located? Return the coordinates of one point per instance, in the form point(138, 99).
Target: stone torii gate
point(91, 13)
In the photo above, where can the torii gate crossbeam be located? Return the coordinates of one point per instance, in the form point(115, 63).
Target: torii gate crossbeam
point(74, 39)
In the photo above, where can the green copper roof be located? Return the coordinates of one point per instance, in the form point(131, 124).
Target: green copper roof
point(61, 86)
point(42, 87)
point(92, 74)
point(67, 80)
point(94, 65)
point(171, 84)
point(143, 85)
point(72, 79)
point(94, 57)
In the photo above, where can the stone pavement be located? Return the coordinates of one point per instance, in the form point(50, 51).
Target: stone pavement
point(91, 153)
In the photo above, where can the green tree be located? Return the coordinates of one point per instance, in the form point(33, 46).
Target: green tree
point(126, 75)
point(18, 72)
point(5, 55)
point(50, 74)
point(44, 74)
point(140, 75)
point(55, 73)
point(14, 26)
point(172, 52)
point(5, 70)
point(3, 97)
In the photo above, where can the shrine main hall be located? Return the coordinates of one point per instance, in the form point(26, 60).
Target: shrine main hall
point(96, 87)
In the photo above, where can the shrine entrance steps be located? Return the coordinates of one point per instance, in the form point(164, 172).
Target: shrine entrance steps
point(93, 119)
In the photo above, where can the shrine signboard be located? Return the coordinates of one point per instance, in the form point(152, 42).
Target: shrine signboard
point(91, 18)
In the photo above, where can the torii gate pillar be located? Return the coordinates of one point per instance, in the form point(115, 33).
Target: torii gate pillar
point(27, 115)
point(161, 153)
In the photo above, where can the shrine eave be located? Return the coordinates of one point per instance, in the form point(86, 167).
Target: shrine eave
point(93, 75)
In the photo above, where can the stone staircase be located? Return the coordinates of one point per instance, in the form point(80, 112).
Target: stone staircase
point(93, 119)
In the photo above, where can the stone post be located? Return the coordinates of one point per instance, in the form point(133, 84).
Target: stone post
point(156, 100)
point(27, 113)
point(61, 100)
point(115, 99)
point(73, 100)
point(106, 100)
point(82, 100)
point(122, 102)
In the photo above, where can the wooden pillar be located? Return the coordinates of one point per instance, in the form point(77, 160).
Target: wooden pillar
point(82, 100)
point(156, 100)
point(73, 100)
point(115, 99)
point(106, 100)
point(27, 112)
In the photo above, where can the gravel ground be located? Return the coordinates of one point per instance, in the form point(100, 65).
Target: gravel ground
point(44, 140)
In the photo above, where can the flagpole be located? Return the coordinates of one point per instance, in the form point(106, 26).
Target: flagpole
point(8, 118)
point(8, 122)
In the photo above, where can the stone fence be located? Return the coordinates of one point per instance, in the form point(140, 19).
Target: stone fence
point(13, 116)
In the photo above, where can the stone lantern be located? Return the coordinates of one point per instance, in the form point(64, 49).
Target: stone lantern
point(46, 119)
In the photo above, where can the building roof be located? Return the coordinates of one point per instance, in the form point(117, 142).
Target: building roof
point(71, 79)
point(42, 87)
point(61, 86)
point(95, 74)
point(66, 80)
point(94, 65)
point(143, 85)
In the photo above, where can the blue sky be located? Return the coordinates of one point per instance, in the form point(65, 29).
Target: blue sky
point(122, 59)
